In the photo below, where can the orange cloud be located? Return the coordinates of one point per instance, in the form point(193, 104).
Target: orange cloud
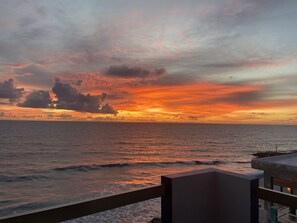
point(194, 98)
point(203, 102)
point(195, 102)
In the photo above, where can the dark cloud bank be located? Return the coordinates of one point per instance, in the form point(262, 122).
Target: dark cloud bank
point(37, 99)
point(8, 90)
point(124, 71)
point(68, 98)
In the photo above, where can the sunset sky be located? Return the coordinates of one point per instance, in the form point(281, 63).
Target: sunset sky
point(208, 61)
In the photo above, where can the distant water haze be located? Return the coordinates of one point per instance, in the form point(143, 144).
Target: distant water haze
point(49, 163)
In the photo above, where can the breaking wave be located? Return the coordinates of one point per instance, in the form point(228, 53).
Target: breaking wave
point(84, 168)
point(8, 179)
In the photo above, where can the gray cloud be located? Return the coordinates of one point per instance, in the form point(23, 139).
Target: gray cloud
point(226, 64)
point(8, 90)
point(242, 98)
point(37, 99)
point(31, 70)
point(34, 75)
point(69, 98)
point(169, 80)
point(242, 63)
point(36, 81)
point(124, 71)
point(107, 109)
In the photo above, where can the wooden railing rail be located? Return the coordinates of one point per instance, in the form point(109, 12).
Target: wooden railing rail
point(80, 209)
point(285, 199)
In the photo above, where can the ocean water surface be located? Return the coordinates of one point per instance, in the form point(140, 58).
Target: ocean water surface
point(43, 164)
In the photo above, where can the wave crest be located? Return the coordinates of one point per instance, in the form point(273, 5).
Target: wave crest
point(84, 168)
point(9, 179)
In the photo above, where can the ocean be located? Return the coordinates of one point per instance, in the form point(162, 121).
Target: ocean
point(43, 164)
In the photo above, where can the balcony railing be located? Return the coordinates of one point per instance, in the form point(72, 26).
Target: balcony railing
point(88, 207)
point(208, 195)
point(284, 199)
